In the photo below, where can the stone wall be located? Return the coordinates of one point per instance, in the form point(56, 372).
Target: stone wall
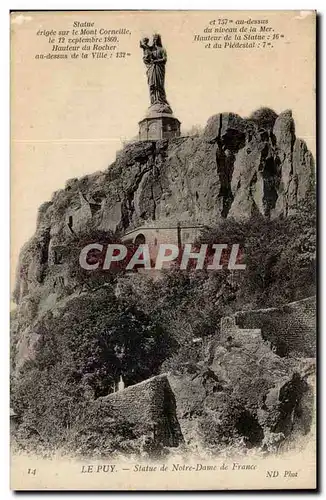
point(229, 328)
point(290, 328)
point(159, 235)
point(150, 408)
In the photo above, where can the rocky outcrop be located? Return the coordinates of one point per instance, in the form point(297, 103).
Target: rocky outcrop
point(236, 168)
point(259, 171)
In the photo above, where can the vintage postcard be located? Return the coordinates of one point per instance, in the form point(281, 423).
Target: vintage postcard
point(163, 227)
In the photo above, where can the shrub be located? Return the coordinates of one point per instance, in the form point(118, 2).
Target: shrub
point(264, 117)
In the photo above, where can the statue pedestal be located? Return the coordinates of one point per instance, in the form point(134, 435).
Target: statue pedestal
point(159, 126)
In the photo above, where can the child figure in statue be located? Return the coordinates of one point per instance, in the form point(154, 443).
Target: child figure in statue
point(147, 51)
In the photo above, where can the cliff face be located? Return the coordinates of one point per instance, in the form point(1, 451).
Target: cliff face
point(150, 406)
point(291, 329)
point(236, 168)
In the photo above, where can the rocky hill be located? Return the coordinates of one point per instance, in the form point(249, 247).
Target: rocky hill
point(83, 333)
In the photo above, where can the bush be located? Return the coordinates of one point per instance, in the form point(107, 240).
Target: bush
point(264, 117)
point(80, 353)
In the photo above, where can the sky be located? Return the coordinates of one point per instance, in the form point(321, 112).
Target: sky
point(70, 117)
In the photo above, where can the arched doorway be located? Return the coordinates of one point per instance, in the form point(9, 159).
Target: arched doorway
point(140, 239)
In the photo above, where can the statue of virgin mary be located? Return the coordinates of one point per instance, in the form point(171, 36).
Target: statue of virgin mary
point(155, 58)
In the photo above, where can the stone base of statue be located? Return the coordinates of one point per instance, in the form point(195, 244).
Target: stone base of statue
point(161, 126)
point(159, 123)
